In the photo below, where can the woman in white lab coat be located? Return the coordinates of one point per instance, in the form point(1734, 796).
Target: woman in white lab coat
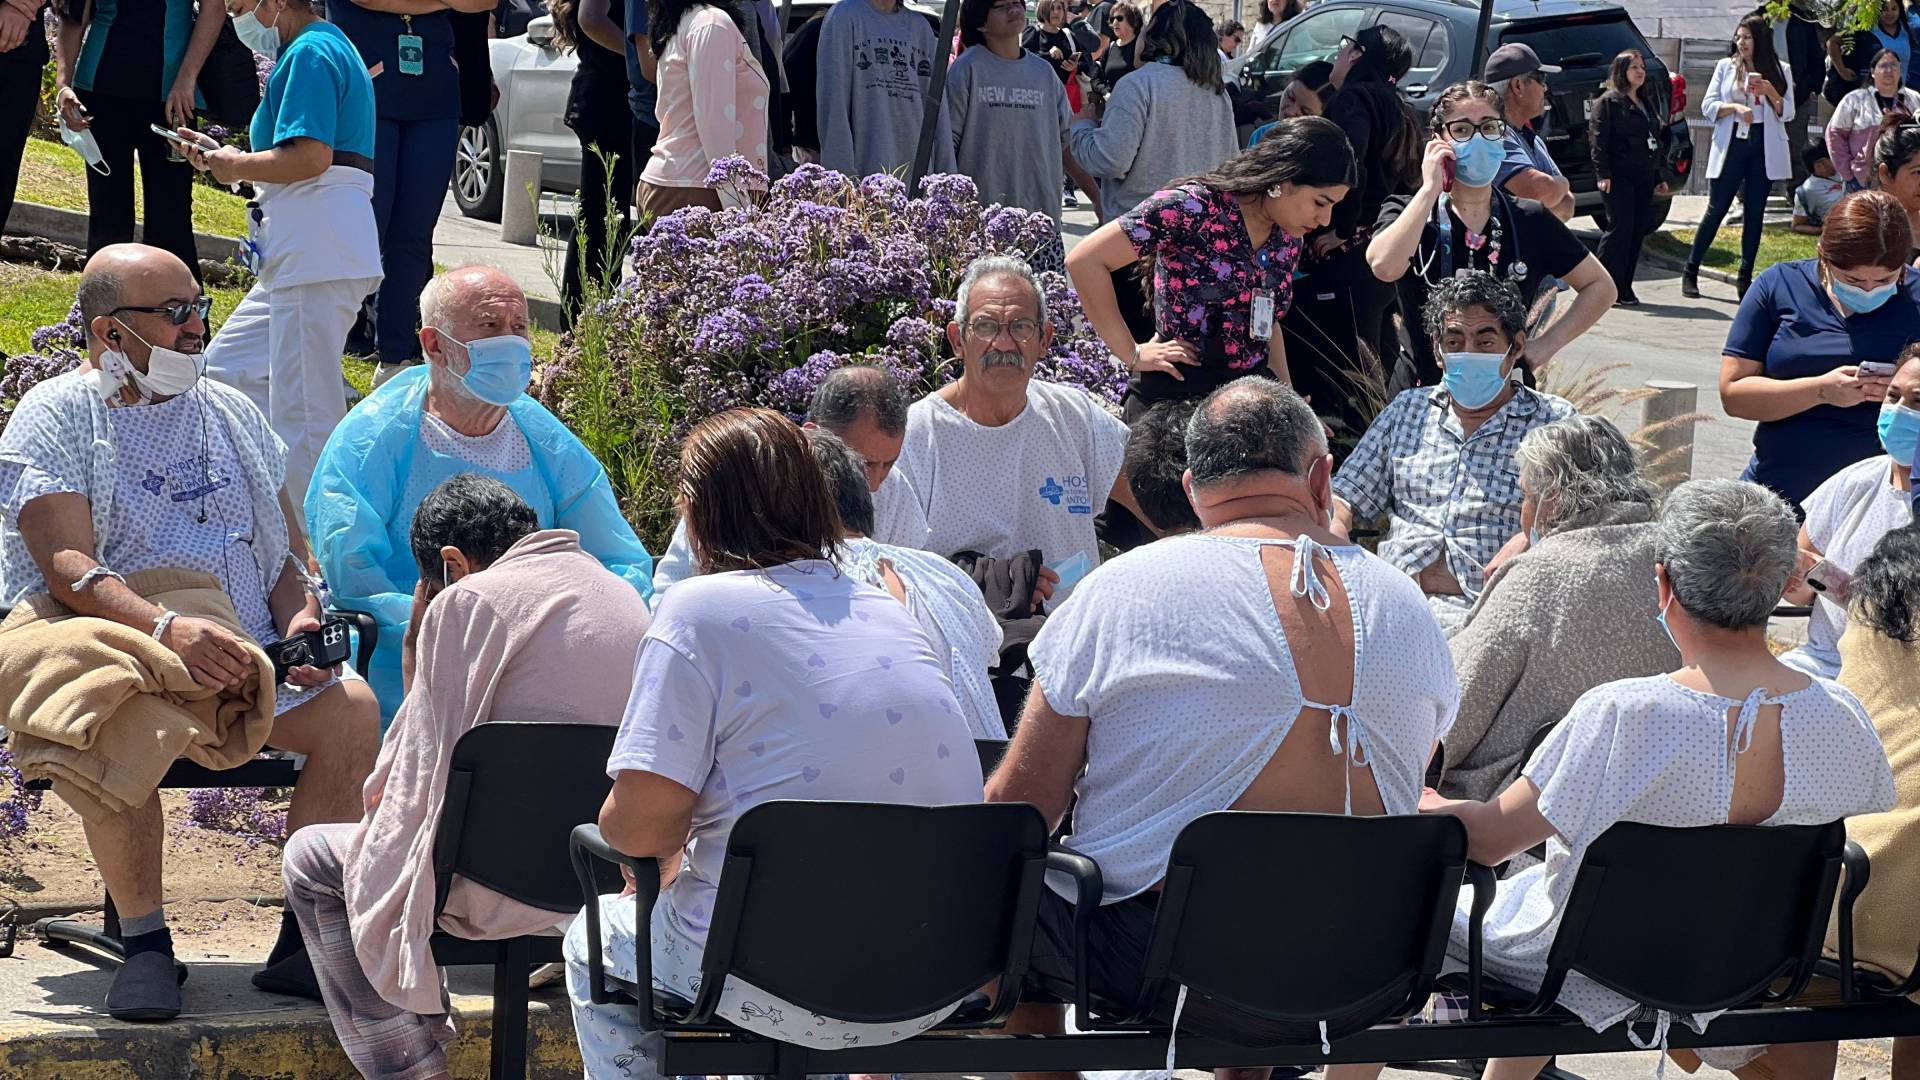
point(1748, 102)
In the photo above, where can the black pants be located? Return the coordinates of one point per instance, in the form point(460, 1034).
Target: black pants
point(121, 127)
point(587, 245)
point(19, 95)
point(1339, 339)
point(1742, 173)
point(1629, 219)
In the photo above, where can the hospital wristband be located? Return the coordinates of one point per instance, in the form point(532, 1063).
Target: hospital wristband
point(165, 620)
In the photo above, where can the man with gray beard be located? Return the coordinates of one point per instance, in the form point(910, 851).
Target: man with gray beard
point(1004, 463)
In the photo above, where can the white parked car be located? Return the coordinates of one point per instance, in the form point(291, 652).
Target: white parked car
point(534, 76)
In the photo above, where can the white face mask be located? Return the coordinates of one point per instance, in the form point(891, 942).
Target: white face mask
point(261, 37)
point(88, 147)
point(169, 372)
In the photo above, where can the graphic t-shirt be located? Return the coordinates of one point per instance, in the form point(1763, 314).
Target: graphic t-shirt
point(871, 87)
point(1009, 120)
point(1034, 482)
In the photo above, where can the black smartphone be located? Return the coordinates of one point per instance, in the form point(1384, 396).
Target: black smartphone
point(323, 648)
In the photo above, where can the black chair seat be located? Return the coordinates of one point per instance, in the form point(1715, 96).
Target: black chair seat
point(451, 951)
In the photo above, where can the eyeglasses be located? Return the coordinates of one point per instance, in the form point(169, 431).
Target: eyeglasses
point(984, 328)
point(1461, 130)
point(1347, 42)
point(177, 312)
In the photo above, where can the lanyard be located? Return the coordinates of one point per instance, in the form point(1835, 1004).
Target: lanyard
point(1496, 226)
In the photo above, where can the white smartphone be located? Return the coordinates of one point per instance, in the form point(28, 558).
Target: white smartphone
point(1829, 580)
point(179, 140)
point(1878, 368)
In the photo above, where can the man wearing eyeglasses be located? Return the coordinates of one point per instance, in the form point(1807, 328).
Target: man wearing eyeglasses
point(133, 477)
point(1004, 463)
point(1529, 170)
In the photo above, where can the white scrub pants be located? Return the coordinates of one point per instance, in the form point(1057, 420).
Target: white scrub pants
point(282, 347)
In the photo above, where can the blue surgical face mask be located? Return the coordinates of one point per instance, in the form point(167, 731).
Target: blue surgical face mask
point(1661, 618)
point(1900, 431)
point(261, 37)
point(1477, 160)
point(1473, 379)
point(1859, 301)
point(498, 368)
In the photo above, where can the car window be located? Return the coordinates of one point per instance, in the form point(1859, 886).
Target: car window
point(1316, 37)
point(1578, 44)
point(1428, 41)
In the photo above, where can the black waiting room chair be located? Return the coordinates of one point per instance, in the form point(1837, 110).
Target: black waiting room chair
point(1698, 920)
point(1236, 927)
point(261, 772)
point(864, 912)
point(1858, 983)
point(501, 830)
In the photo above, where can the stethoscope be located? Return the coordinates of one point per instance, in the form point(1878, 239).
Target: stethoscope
point(1443, 221)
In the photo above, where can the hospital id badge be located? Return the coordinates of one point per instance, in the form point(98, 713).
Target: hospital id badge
point(413, 55)
point(1260, 327)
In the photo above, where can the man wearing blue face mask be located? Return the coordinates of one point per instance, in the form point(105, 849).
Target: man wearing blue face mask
point(1438, 462)
point(463, 411)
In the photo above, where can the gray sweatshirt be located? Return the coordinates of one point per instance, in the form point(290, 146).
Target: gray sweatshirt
point(1159, 127)
point(1009, 120)
point(874, 71)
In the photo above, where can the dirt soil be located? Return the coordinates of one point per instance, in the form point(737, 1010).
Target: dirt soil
point(220, 892)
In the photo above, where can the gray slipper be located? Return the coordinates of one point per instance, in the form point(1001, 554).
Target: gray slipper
point(145, 989)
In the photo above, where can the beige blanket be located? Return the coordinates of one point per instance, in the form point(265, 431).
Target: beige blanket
point(104, 709)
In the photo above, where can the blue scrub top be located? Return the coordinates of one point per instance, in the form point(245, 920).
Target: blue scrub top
point(1789, 326)
point(318, 90)
point(640, 95)
point(434, 94)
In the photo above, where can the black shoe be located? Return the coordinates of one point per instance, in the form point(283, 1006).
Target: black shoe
point(1630, 298)
point(1690, 283)
point(292, 976)
point(1743, 282)
point(146, 989)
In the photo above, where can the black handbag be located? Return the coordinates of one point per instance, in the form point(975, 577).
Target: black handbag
point(229, 83)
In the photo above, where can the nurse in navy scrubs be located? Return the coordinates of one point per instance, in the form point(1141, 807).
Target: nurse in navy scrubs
point(1813, 346)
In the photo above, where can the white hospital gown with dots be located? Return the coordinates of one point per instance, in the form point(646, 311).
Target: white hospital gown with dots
point(179, 502)
point(798, 682)
point(1653, 751)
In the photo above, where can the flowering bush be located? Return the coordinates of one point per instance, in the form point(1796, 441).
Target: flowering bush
point(242, 812)
point(16, 802)
point(57, 349)
point(754, 305)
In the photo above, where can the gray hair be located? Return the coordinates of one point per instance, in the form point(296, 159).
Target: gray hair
point(1729, 547)
point(846, 475)
point(858, 390)
point(1474, 288)
point(1500, 87)
point(436, 299)
point(1579, 469)
point(100, 292)
point(1252, 425)
point(989, 266)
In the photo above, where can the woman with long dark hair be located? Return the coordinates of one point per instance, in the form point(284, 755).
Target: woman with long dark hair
point(1222, 247)
point(1748, 101)
point(1273, 15)
point(713, 103)
point(1343, 322)
point(1625, 142)
point(1854, 129)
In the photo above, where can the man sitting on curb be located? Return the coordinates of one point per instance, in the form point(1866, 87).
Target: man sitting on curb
point(132, 463)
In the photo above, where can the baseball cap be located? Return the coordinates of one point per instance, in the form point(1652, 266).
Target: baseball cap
point(1512, 60)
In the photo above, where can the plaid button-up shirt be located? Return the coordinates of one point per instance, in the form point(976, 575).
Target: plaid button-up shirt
point(1443, 491)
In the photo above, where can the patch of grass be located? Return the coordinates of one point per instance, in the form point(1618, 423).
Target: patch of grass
point(1778, 243)
point(52, 175)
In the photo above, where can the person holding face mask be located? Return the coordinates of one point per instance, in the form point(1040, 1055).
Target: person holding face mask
point(1458, 220)
point(1444, 530)
point(1812, 351)
point(310, 235)
point(463, 411)
point(1222, 248)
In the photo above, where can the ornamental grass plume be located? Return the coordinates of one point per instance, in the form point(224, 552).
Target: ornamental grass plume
point(753, 305)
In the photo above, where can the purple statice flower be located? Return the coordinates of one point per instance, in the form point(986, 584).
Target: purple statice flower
point(949, 187)
point(751, 289)
point(67, 334)
point(736, 172)
point(728, 332)
point(16, 802)
point(913, 332)
point(238, 812)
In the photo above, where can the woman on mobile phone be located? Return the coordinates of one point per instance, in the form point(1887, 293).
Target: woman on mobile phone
point(1811, 351)
point(1849, 513)
point(1748, 101)
point(311, 236)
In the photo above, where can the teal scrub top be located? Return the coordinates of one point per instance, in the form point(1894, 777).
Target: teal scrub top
point(319, 90)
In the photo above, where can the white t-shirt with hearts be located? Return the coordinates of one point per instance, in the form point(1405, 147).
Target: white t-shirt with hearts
point(797, 682)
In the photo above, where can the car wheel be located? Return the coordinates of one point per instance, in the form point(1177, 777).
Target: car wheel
point(478, 171)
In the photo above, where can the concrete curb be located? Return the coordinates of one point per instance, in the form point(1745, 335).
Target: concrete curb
point(70, 227)
point(1679, 266)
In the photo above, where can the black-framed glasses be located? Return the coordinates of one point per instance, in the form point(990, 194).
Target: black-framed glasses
point(1347, 42)
point(984, 328)
point(177, 312)
point(1492, 127)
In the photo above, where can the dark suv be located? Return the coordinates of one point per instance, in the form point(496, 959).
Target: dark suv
point(1580, 36)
